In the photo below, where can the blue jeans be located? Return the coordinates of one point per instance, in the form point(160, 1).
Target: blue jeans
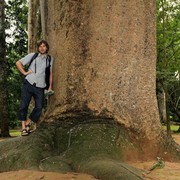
point(29, 91)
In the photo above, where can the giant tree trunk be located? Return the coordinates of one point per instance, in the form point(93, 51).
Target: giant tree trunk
point(104, 109)
point(105, 55)
point(4, 116)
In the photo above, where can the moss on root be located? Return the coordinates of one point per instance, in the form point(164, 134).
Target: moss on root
point(92, 145)
point(26, 152)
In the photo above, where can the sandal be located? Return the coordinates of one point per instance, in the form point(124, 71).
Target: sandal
point(24, 132)
point(28, 128)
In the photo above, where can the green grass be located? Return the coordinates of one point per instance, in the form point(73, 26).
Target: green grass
point(18, 133)
point(15, 132)
point(173, 127)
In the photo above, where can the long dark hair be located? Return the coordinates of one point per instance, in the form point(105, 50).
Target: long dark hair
point(43, 42)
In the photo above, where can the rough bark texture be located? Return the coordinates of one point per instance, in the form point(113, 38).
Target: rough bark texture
point(162, 103)
point(32, 25)
point(43, 10)
point(105, 61)
point(4, 116)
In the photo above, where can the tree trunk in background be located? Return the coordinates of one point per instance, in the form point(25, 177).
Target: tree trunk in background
point(162, 103)
point(165, 68)
point(39, 26)
point(32, 25)
point(105, 61)
point(4, 116)
point(43, 10)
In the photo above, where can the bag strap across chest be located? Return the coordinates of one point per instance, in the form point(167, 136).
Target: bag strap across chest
point(48, 59)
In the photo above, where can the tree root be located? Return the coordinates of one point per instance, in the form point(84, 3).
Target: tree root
point(87, 145)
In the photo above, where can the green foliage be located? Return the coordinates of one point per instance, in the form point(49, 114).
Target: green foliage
point(15, 133)
point(168, 69)
point(16, 40)
point(159, 164)
point(174, 128)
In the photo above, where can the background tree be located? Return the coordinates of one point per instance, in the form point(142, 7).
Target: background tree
point(168, 63)
point(43, 12)
point(16, 44)
point(32, 25)
point(4, 115)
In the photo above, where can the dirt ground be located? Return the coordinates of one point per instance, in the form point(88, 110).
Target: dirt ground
point(171, 171)
point(36, 175)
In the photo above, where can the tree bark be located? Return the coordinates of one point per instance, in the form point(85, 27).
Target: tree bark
point(32, 25)
point(43, 10)
point(106, 61)
point(161, 103)
point(4, 116)
point(105, 64)
point(39, 26)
